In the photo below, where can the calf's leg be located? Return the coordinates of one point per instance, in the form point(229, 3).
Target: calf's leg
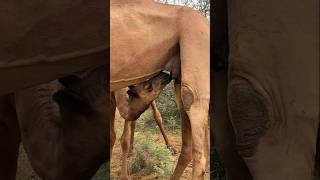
point(126, 144)
point(158, 119)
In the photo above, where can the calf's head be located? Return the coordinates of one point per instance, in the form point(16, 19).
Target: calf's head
point(141, 95)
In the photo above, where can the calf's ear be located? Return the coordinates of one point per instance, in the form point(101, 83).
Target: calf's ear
point(148, 86)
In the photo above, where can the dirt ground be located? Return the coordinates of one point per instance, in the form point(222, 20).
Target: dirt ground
point(174, 137)
point(25, 172)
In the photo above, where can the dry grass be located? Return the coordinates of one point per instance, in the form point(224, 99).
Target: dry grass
point(174, 137)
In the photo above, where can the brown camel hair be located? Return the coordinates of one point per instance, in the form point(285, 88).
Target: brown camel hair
point(32, 53)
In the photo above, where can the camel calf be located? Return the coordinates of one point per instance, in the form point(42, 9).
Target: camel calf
point(127, 139)
point(131, 103)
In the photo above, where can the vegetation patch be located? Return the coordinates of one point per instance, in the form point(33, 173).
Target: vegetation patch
point(151, 157)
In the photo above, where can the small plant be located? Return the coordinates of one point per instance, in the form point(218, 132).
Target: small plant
point(150, 157)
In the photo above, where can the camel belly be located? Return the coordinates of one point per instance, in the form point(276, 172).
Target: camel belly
point(129, 70)
point(141, 44)
point(122, 83)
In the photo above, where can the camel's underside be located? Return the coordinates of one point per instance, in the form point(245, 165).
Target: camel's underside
point(50, 40)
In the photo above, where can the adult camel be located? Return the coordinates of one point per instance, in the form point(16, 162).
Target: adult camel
point(145, 36)
point(267, 109)
point(31, 53)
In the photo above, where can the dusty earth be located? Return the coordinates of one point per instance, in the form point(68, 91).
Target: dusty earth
point(174, 138)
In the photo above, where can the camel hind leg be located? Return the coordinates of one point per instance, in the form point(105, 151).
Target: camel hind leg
point(195, 83)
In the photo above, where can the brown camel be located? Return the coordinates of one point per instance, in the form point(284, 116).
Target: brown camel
point(32, 53)
point(146, 38)
point(133, 102)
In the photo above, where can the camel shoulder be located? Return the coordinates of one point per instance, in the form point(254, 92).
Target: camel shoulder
point(190, 18)
point(189, 14)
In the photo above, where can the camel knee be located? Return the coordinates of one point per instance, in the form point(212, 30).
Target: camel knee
point(250, 115)
point(125, 143)
point(187, 97)
point(191, 96)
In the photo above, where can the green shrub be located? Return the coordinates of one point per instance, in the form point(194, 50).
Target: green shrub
point(146, 120)
point(150, 157)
